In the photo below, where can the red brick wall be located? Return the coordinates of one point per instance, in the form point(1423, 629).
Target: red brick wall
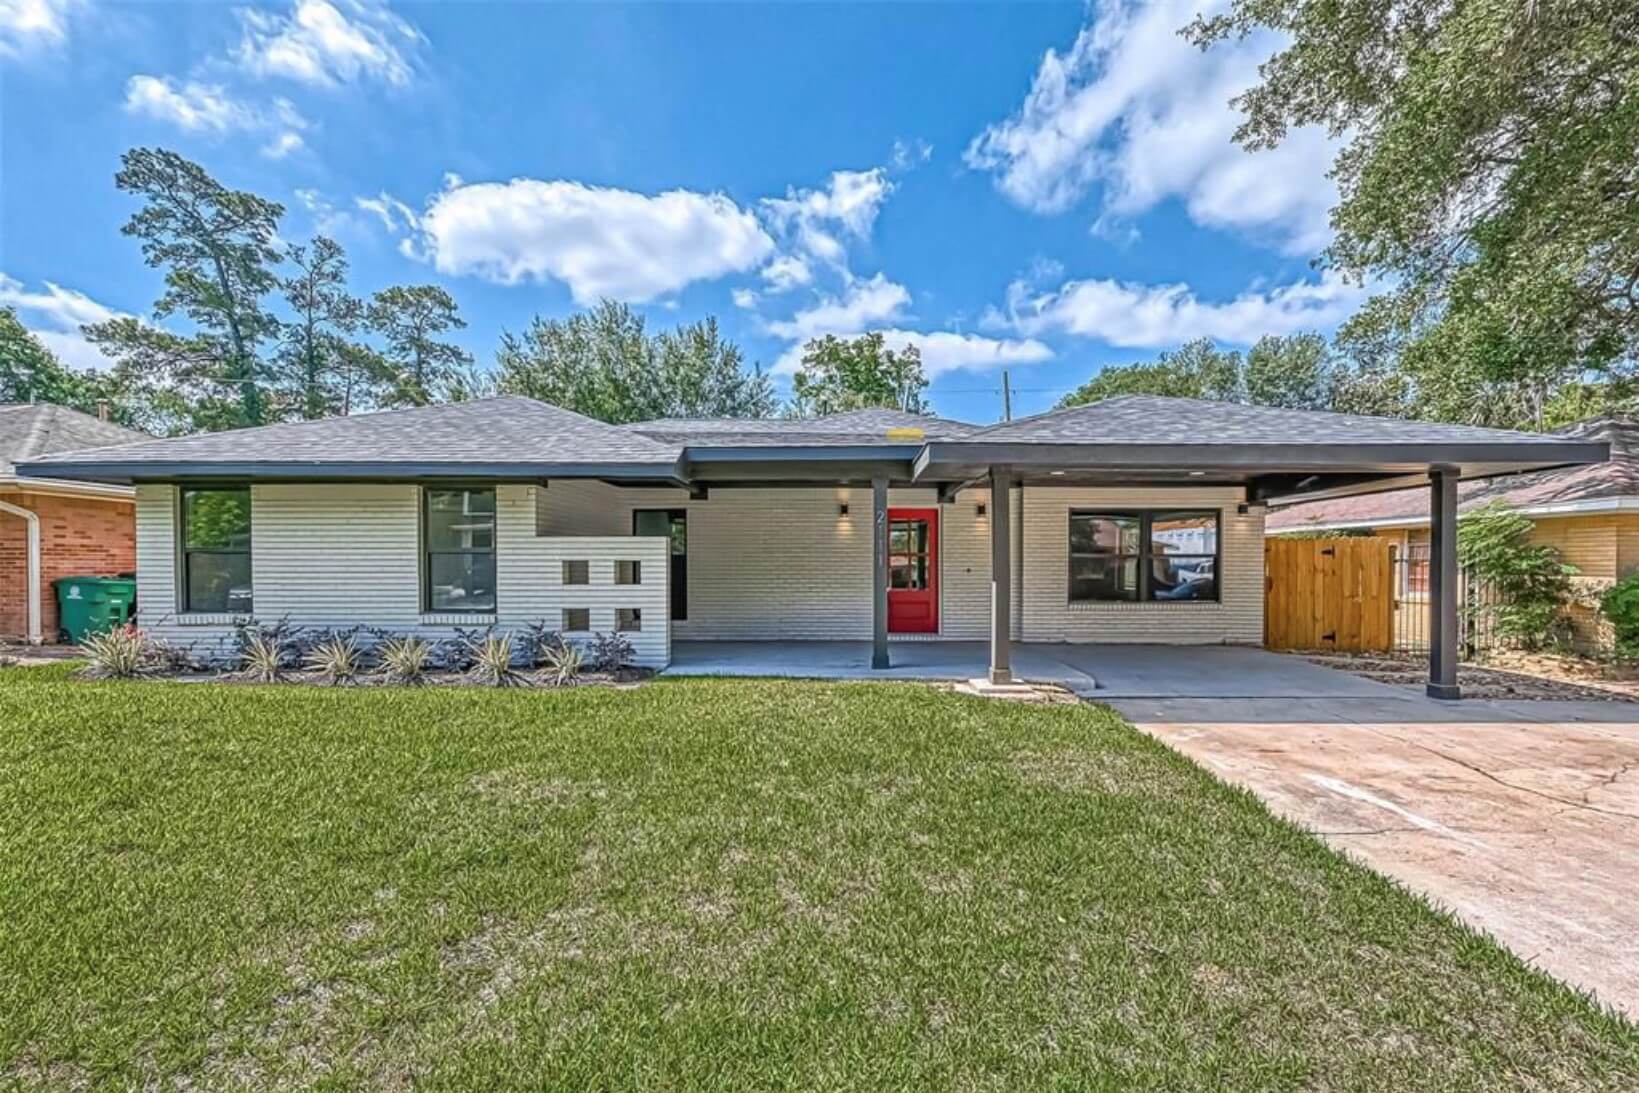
point(79, 537)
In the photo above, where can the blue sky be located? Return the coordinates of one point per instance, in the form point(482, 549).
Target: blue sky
point(1042, 188)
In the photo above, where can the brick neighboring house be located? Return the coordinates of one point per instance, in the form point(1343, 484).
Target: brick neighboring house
point(1589, 513)
point(84, 528)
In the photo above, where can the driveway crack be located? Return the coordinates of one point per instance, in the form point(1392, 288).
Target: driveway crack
point(1573, 804)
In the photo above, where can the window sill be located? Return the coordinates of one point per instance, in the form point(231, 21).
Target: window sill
point(458, 618)
point(211, 618)
point(1135, 605)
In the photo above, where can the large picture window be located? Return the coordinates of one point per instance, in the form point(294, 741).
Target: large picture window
point(1136, 556)
point(216, 550)
point(458, 528)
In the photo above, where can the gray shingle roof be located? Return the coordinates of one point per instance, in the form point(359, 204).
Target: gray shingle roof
point(855, 427)
point(28, 430)
point(1152, 419)
point(1538, 489)
point(514, 432)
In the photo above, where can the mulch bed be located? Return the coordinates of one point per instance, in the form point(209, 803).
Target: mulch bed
point(1476, 680)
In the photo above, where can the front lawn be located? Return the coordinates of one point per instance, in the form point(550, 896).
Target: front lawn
point(704, 885)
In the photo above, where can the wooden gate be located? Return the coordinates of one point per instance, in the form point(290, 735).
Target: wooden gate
point(1335, 594)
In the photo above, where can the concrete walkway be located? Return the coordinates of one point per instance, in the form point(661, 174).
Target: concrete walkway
point(934, 660)
point(1520, 817)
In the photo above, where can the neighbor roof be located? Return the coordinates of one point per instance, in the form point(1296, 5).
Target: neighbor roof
point(30, 430)
point(498, 437)
point(1543, 491)
point(863, 428)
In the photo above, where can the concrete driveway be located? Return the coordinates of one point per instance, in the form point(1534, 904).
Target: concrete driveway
point(1520, 817)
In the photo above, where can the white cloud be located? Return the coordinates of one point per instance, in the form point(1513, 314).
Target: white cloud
point(322, 43)
point(787, 271)
point(1135, 316)
point(864, 303)
point(394, 214)
point(1138, 111)
point(744, 298)
point(907, 154)
point(210, 109)
point(600, 242)
point(869, 306)
point(942, 351)
point(55, 316)
point(29, 27)
point(814, 222)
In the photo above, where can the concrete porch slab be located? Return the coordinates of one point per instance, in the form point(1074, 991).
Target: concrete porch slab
point(911, 660)
point(1089, 671)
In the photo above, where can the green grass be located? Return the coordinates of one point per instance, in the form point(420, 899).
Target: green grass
point(705, 885)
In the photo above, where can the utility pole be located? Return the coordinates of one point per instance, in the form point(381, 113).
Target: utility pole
point(1007, 398)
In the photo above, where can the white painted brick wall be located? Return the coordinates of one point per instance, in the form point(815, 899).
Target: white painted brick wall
point(782, 563)
point(347, 554)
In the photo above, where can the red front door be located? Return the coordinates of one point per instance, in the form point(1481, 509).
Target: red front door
point(913, 571)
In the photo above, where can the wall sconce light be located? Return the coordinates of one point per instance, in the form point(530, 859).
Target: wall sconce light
point(842, 509)
point(980, 510)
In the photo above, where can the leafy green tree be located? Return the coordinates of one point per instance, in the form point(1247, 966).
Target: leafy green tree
point(1490, 175)
point(1198, 369)
point(1295, 372)
point(218, 249)
point(603, 363)
point(313, 357)
point(410, 319)
point(840, 374)
point(1530, 584)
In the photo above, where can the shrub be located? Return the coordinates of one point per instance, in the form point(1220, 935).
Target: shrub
point(174, 658)
point(280, 636)
point(538, 642)
point(457, 653)
point(1532, 585)
point(610, 652)
point(1620, 605)
point(262, 657)
point(121, 653)
point(405, 660)
point(492, 662)
point(338, 660)
point(563, 664)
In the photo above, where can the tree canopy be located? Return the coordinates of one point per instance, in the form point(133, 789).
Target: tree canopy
point(29, 372)
point(840, 374)
point(603, 363)
point(1296, 372)
point(1490, 178)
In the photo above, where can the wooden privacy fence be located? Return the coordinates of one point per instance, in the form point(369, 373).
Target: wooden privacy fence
point(1328, 594)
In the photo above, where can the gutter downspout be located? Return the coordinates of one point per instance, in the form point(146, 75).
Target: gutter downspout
point(33, 521)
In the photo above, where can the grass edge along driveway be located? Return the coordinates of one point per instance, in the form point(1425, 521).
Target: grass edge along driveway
point(705, 884)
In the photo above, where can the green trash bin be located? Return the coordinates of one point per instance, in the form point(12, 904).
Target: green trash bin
point(92, 605)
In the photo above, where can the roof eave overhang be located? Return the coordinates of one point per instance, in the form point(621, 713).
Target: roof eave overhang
point(945, 459)
point(799, 463)
point(365, 471)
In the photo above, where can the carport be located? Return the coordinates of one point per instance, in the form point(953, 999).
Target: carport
point(1272, 454)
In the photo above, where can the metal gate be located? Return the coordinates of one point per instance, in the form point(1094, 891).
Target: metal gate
point(1476, 601)
point(1335, 594)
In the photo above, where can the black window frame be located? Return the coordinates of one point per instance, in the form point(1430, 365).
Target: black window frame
point(427, 552)
point(185, 552)
point(678, 609)
point(1146, 553)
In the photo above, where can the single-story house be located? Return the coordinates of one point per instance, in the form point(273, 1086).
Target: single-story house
point(1136, 519)
point(51, 527)
point(1587, 512)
